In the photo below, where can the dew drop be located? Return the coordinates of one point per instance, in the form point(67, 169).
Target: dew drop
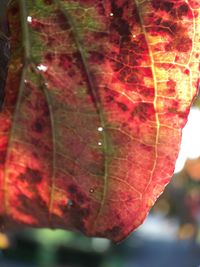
point(42, 67)
point(111, 14)
point(100, 129)
point(99, 143)
point(29, 19)
point(91, 190)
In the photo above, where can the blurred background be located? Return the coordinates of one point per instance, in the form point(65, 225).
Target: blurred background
point(170, 236)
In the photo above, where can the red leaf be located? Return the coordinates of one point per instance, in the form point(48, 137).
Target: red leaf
point(96, 97)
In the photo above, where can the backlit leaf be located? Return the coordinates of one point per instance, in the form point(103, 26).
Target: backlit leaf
point(96, 97)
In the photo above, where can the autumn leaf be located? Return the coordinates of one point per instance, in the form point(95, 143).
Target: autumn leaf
point(96, 97)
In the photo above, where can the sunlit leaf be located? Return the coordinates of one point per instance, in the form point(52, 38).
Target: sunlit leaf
point(96, 96)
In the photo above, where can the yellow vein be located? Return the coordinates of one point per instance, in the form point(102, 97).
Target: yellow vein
point(156, 93)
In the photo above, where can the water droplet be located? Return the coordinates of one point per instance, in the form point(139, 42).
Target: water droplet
point(100, 129)
point(99, 143)
point(134, 36)
point(29, 19)
point(42, 67)
point(69, 202)
point(111, 14)
point(91, 190)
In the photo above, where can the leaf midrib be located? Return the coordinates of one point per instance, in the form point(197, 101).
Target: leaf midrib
point(155, 95)
point(97, 103)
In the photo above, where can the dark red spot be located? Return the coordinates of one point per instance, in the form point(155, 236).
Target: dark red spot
point(177, 58)
point(182, 115)
point(110, 95)
point(84, 212)
point(50, 56)
point(183, 10)
point(38, 125)
point(101, 9)
point(119, 24)
point(181, 44)
point(77, 195)
point(169, 46)
point(186, 71)
point(198, 82)
point(116, 65)
point(72, 189)
point(135, 15)
point(184, 44)
point(65, 61)
point(174, 107)
point(124, 73)
point(167, 6)
point(31, 175)
point(122, 106)
point(146, 91)
point(32, 205)
point(125, 124)
point(109, 98)
point(144, 111)
point(24, 203)
point(2, 156)
point(162, 5)
point(171, 85)
point(146, 147)
point(71, 72)
point(113, 232)
point(100, 35)
point(78, 215)
point(77, 58)
point(96, 168)
point(168, 27)
point(50, 40)
point(14, 10)
point(116, 10)
point(63, 21)
point(96, 57)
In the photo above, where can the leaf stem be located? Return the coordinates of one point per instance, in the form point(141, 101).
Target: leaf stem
point(25, 32)
point(24, 25)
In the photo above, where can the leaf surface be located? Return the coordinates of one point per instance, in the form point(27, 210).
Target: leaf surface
point(96, 97)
